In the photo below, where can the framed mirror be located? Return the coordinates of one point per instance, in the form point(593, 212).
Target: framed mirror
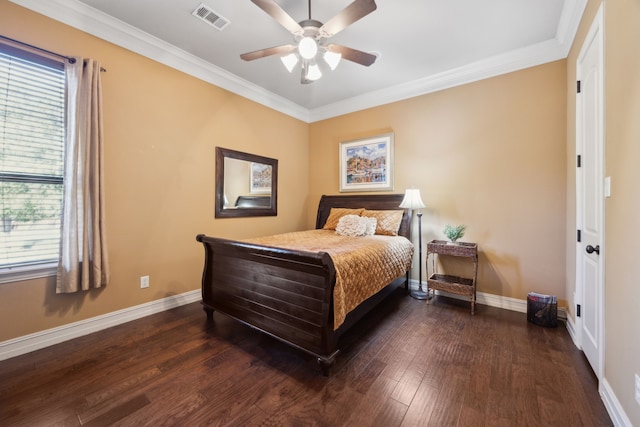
point(246, 184)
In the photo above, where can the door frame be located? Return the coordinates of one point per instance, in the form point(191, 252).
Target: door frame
point(595, 35)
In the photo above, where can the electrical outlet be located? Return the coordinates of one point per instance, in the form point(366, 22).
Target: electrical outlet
point(144, 282)
point(638, 389)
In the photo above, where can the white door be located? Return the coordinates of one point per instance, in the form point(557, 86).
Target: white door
point(590, 196)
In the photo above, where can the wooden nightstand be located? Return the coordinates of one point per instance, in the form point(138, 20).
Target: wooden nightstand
point(448, 283)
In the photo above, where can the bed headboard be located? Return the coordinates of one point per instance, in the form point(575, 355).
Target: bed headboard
point(253, 202)
point(373, 201)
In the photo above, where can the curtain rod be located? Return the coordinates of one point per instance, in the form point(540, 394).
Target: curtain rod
point(68, 58)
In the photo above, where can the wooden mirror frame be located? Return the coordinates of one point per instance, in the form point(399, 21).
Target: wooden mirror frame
point(221, 211)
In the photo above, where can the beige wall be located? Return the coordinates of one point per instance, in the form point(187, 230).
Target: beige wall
point(490, 155)
point(622, 227)
point(161, 130)
point(622, 221)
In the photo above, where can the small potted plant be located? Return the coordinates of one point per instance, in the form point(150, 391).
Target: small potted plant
point(454, 233)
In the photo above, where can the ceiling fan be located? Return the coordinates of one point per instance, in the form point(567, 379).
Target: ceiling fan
point(310, 38)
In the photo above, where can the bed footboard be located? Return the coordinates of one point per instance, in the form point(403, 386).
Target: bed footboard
point(284, 293)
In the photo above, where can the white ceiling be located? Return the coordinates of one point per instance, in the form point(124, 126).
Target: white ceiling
point(424, 45)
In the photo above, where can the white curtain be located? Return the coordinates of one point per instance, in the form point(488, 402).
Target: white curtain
point(83, 262)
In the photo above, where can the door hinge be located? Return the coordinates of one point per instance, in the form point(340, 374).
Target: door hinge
point(578, 86)
point(579, 161)
point(578, 310)
point(579, 236)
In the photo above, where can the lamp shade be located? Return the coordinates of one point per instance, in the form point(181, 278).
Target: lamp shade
point(290, 61)
point(332, 58)
point(412, 199)
point(313, 72)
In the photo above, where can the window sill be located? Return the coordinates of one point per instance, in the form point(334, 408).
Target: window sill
point(18, 274)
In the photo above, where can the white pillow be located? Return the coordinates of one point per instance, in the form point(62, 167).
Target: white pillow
point(354, 225)
point(371, 224)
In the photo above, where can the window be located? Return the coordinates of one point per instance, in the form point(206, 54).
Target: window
point(32, 131)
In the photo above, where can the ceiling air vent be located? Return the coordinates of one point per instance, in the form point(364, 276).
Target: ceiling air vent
point(205, 13)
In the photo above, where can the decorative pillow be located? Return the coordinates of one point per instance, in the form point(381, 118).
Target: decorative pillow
point(388, 222)
point(354, 225)
point(370, 225)
point(336, 213)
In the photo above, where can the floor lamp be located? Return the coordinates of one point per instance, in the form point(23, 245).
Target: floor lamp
point(413, 201)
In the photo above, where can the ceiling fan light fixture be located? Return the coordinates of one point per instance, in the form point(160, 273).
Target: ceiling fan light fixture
point(289, 61)
point(313, 72)
point(310, 40)
point(308, 47)
point(332, 59)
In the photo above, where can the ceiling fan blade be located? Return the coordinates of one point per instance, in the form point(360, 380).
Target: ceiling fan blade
point(353, 55)
point(276, 12)
point(262, 53)
point(350, 14)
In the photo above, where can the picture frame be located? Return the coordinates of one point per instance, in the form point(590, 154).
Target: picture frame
point(260, 178)
point(367, 164)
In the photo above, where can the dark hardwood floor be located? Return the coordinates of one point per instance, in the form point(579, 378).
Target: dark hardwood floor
point(406, 364)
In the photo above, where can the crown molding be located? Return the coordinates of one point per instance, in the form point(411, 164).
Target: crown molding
point(92, 21)
point(570, 18)
point(99, 24)
point(531, 56)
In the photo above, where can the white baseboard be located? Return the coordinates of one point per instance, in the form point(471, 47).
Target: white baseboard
point(613, 406)
point(608, 397)
point(28, 343)
point(42, 339)
point(611, 403)
point(498, 301)
point(573, 333)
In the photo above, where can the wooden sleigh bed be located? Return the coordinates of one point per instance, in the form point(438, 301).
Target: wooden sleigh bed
point(288, 294)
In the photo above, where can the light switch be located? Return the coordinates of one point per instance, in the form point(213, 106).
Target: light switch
point(607, 186)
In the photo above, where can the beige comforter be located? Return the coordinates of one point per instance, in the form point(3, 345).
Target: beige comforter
point(364, 265)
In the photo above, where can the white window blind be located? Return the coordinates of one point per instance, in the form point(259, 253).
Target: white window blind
point(32, 114)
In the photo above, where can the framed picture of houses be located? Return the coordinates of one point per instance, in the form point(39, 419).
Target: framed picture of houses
point(367, 164)
point(260, 178)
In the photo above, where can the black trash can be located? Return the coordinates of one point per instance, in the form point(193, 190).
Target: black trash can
point(542, 310)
